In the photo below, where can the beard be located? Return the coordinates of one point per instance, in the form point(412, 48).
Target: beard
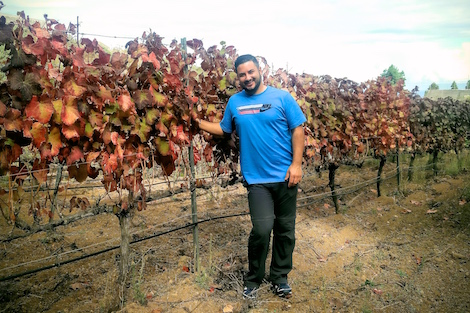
point(252, 90)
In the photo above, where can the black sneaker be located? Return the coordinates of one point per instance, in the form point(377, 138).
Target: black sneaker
point(250, 292)
point(283, 290)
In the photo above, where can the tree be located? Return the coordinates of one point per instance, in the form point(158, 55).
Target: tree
point(467, 86)
point(393, 74)
point(433, 86)
point(454, 85)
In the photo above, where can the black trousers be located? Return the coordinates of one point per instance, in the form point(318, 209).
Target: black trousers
point(272, 209)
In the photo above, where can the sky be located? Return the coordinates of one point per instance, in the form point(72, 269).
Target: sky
point(429, 40)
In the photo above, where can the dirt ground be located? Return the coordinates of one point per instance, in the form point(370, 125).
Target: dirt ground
point(406, 251)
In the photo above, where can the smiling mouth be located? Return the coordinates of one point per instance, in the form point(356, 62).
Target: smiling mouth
point(250, 84)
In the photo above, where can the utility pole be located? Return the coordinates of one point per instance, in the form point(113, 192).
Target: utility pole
point(78, 42)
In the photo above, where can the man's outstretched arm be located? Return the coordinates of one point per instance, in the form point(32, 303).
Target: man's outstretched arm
point(210, 127)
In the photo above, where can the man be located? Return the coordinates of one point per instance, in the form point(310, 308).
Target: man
point(268, 122)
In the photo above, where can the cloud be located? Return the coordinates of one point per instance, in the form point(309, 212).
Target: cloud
point(427, 39)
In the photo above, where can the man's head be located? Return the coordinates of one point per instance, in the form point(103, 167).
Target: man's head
point(245, 58)
point(248, 73)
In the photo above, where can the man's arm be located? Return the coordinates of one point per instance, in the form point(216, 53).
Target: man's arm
point(210, 127)
point(294, 172)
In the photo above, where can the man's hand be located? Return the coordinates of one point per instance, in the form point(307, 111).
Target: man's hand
point(294, 175)
point(210, 127)
point(294, 172)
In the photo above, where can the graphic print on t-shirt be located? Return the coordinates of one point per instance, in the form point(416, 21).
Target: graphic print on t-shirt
point(253, 108)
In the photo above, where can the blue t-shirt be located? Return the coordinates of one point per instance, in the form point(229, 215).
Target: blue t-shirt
point(264, 124)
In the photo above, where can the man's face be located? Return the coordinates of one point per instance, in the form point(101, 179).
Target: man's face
point(249, 77)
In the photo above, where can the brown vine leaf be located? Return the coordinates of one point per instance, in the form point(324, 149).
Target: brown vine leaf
point(84, 203)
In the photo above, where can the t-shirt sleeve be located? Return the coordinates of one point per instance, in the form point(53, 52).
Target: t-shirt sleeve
point(226, 122)
point(295, 116)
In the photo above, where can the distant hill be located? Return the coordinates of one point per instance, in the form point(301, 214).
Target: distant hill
point(456, 94)
point(13, 18)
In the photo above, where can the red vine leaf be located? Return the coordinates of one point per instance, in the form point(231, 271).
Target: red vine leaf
point(41, 33)
point(37, 48)
point(70, 131)
point(77, 57)
point(3, 109)
point(126, 103)
point(208, 153)
point(70, 112)
point(60, 47)
point(109, 183)
point(53, 144)
point(106, 136)
point(56, 117)
point(137, 51)
point(114, 138)
point(109, 163)
point(95, 119)
point(40, 111)
point(118, 60)
point(90, 158)
point(152, 59)
point(40, 170)
point(38, 133)
point(73, 89)
point(13, 121)
point(103, 57)
point(75, 155)
point(179, 136)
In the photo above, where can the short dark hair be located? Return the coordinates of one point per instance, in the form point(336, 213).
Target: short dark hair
point(245, 58)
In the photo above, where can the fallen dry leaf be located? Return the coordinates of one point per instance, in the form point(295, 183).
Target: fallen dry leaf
point(431, 211)
point(462, 202)
point(228, 309)
point(415, 202)
point(77, 286)
point(418, 259)
point(406, 211)
point(377, 291)
point(379, 209)
point(149, 295)
point(326, 205)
